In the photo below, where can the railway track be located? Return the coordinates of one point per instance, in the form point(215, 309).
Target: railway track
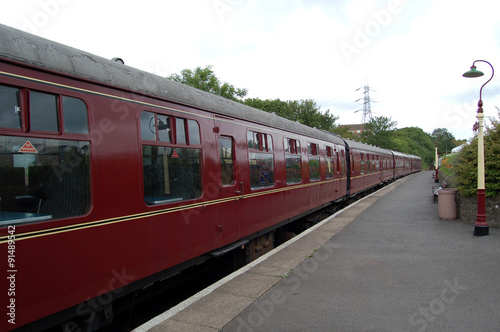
point(139, 307)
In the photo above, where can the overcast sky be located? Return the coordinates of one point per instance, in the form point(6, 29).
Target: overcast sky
point(411, 53)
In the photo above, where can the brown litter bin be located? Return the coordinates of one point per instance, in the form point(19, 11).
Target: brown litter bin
point(447, 204)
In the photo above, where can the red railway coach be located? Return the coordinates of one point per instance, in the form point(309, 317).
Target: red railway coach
point(370, 166)
point(416, 163)
point(402, 164)
point(112, 178)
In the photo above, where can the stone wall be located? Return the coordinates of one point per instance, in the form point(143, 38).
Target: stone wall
point(467, 210)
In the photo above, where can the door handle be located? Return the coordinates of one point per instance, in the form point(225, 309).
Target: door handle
point(242, 191)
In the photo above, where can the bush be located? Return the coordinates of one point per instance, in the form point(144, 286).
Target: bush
point(465, 164)
point(448, 168)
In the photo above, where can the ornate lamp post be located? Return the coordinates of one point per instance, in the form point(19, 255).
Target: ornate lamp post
point(481, 227)
point(436, 180)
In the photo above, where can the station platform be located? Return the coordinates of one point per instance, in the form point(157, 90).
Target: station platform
point(385, 263)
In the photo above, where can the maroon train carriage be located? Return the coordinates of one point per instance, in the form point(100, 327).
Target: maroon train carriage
point(416, 163)
point(370, 166)
point(402, 164)
point(112, 178)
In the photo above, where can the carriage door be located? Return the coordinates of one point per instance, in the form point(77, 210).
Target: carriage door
point(230, 184)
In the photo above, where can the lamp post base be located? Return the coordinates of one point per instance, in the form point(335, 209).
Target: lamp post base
point(481, 230)
point(481, 227)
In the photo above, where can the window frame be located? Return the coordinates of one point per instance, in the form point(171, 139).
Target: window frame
point(172, 126)
point(264, 141)
point(261, 144)
point(233, 160)
point(25, 110)
point(75, 177)
point(291, 149)
point(330, 160)
point(58, 113)
point(314, 155)
point(174, 146)
point(19, 108)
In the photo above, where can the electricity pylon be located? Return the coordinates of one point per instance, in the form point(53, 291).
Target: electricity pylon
point(367, 109)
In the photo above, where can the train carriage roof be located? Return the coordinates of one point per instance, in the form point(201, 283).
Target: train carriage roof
point(400, 154)
point(35, 51)
point(366, 147)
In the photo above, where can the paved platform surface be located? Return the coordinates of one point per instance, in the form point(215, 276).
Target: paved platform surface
point(387, 263)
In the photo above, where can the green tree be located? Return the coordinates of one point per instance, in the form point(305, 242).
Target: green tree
point(444, 140)
point(343, 131)
point(415, 141)
point(379, 131)
point(306, 111)
point(206, 80)
point(276, 106)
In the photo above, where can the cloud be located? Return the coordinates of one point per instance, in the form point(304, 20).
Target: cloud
point(412, 54)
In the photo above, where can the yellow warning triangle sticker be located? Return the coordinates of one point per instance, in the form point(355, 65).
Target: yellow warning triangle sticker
point(28, 147)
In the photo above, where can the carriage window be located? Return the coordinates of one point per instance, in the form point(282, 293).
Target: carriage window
point(171, 174)
point(180, 127)
point(314, 173)
point(43, 112)
point(339, 168)
point(292, 146)
point(75, 116)
point(314, 170)
point(342, 164)
point(261, 170)
point(10, 107)
point(259, 141)
point(353, 166)
point(362, 164)
point(194, 132)
point(148, 128)
point(164, 129)
point(330, 164)
point(269, 142)
point(226, 160)
point(251, 140)
point(293, 161)
point(43, 179)
point(293, 169)
point(169, 127)
point(261, 164)
point(313, 149)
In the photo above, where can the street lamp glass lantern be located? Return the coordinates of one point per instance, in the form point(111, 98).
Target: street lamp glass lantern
point(473, 72)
